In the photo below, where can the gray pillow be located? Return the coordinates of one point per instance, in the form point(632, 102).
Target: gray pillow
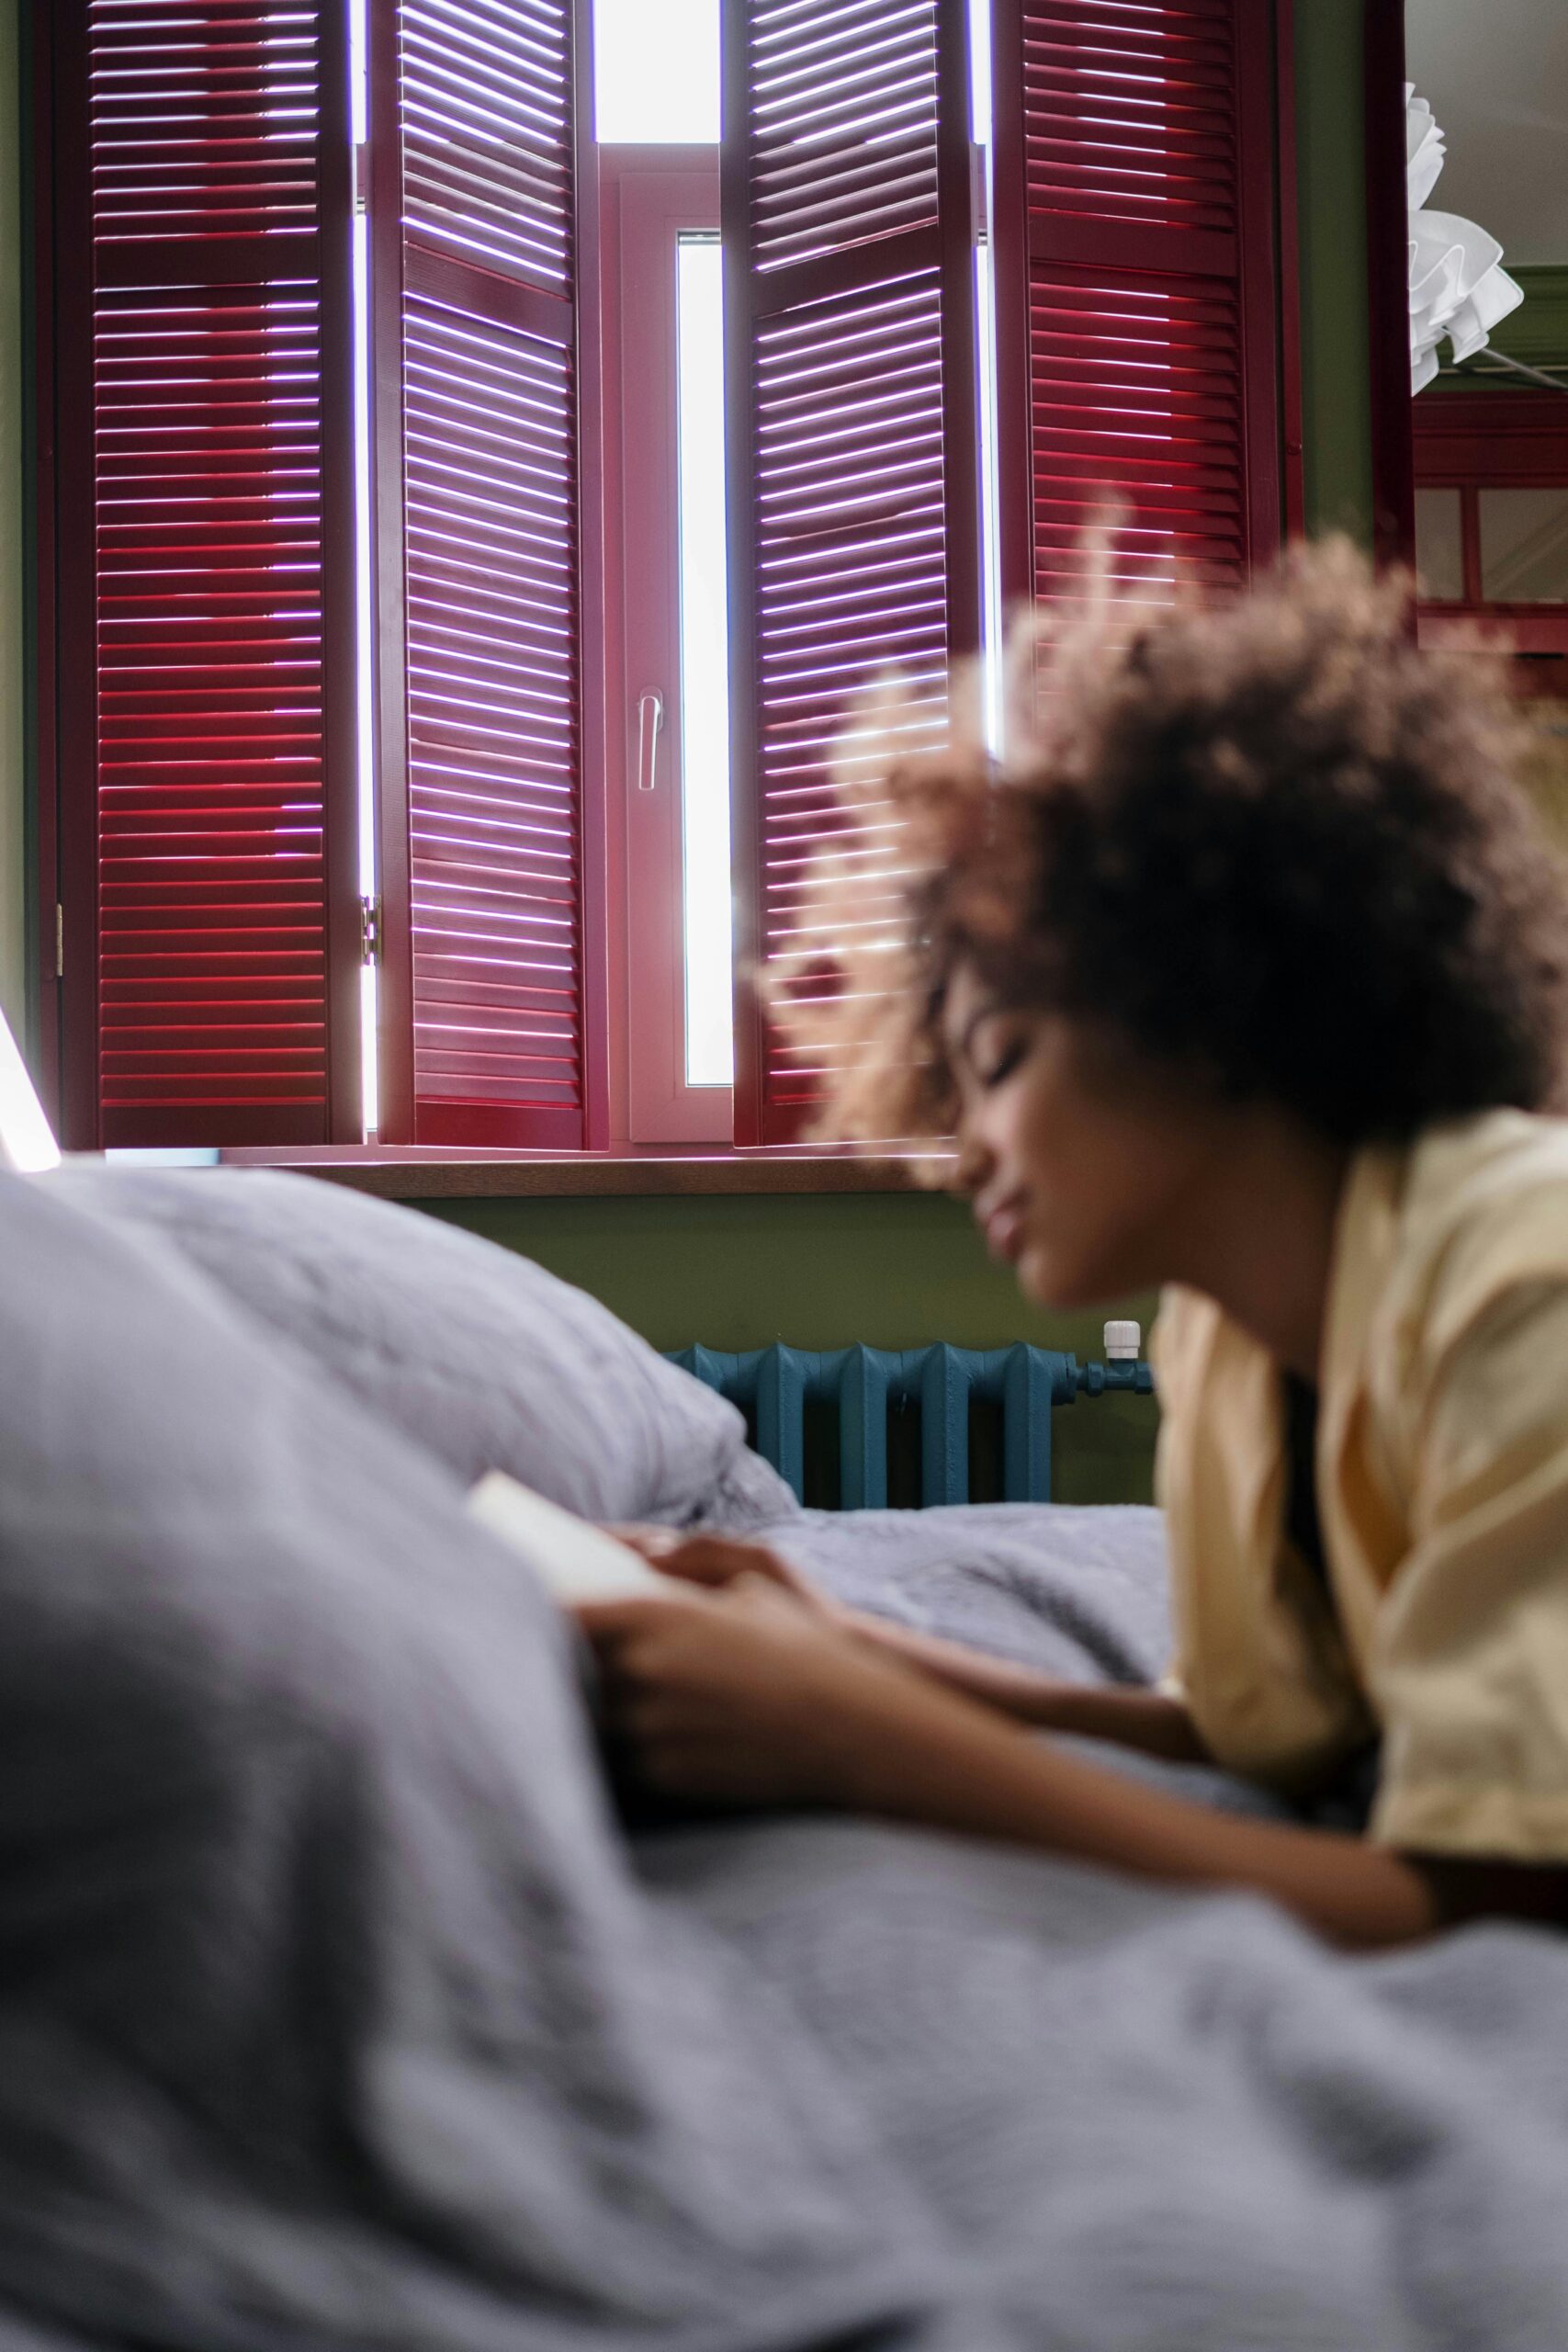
point(476, 1355)
point(332, 2012)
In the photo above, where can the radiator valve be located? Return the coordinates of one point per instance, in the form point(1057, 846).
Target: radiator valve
point(1123, 1342)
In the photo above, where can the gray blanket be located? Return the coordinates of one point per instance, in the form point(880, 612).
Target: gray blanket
point(335, 2009)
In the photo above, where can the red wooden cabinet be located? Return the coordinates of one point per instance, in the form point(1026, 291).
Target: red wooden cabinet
point(1491, 476)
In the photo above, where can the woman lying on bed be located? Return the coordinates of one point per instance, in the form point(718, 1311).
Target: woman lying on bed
point(1253, 982)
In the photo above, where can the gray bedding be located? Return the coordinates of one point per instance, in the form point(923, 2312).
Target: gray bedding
point(335, 2010)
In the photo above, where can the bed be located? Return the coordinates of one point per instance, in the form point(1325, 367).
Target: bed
point(338, 2009)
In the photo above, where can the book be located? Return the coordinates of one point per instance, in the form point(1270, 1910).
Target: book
point(577, 1561)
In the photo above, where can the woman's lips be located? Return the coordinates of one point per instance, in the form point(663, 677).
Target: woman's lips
point(1004, 1231)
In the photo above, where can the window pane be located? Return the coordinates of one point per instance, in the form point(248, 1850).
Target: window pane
point(656, 70)
point(704, 667)
point(1524, 547)
point(980, 102)
point(1440, 546)
point(992, 648)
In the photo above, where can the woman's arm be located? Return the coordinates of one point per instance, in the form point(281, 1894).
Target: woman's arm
point(962, 1776)
point(743, 1699)
point(1144, 1720)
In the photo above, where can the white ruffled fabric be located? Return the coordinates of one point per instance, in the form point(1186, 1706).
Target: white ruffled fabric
point(1458, 285)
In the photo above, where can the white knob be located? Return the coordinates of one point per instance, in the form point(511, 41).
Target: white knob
point(1123, 1342)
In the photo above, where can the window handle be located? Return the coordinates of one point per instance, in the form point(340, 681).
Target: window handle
point(649, 719)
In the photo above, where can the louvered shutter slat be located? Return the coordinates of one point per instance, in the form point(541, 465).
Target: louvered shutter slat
point(486, 978)
point(1135, 142)
point(849, 294)
point(206, 572)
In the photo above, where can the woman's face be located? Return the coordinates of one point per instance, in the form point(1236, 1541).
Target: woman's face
point(1080, 1157)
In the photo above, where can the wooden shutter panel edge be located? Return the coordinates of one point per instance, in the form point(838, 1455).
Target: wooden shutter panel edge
point(75, 581)
point(740, 432)
point(340, 650)
point(815, 280)
point(1010, 271)
point(40, 679)
point(961, 421)
point(592, 589)
point(390, 633)
point(1263, 290)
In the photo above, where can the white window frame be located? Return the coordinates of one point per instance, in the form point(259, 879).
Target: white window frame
point(657, 195)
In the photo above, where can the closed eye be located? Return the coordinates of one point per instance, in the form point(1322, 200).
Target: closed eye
point(1000, 1065)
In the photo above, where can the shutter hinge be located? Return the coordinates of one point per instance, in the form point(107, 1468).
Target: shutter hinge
point(59, 941)
point(361, 179)
point(371, 931)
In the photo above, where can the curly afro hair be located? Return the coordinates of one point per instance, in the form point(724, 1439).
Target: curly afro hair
point(1268, 841)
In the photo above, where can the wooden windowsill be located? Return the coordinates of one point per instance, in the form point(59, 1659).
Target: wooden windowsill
point(431, 1173)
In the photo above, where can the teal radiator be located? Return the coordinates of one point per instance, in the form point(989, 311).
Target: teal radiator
point(774, 1386)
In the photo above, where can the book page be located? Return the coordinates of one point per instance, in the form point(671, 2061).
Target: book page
point(577, 1561)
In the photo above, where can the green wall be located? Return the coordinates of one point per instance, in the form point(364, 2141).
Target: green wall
point(824, 1271)
point(1336, 340)
point(13, 799)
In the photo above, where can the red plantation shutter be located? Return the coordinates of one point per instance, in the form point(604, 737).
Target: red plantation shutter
point(476, 342)
point(205, 572)
point(1138, 308)
point(854, 482)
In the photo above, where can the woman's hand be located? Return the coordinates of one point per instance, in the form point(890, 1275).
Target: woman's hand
point(1144, 1720)
point(742, 1696)
point(716, 1561)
